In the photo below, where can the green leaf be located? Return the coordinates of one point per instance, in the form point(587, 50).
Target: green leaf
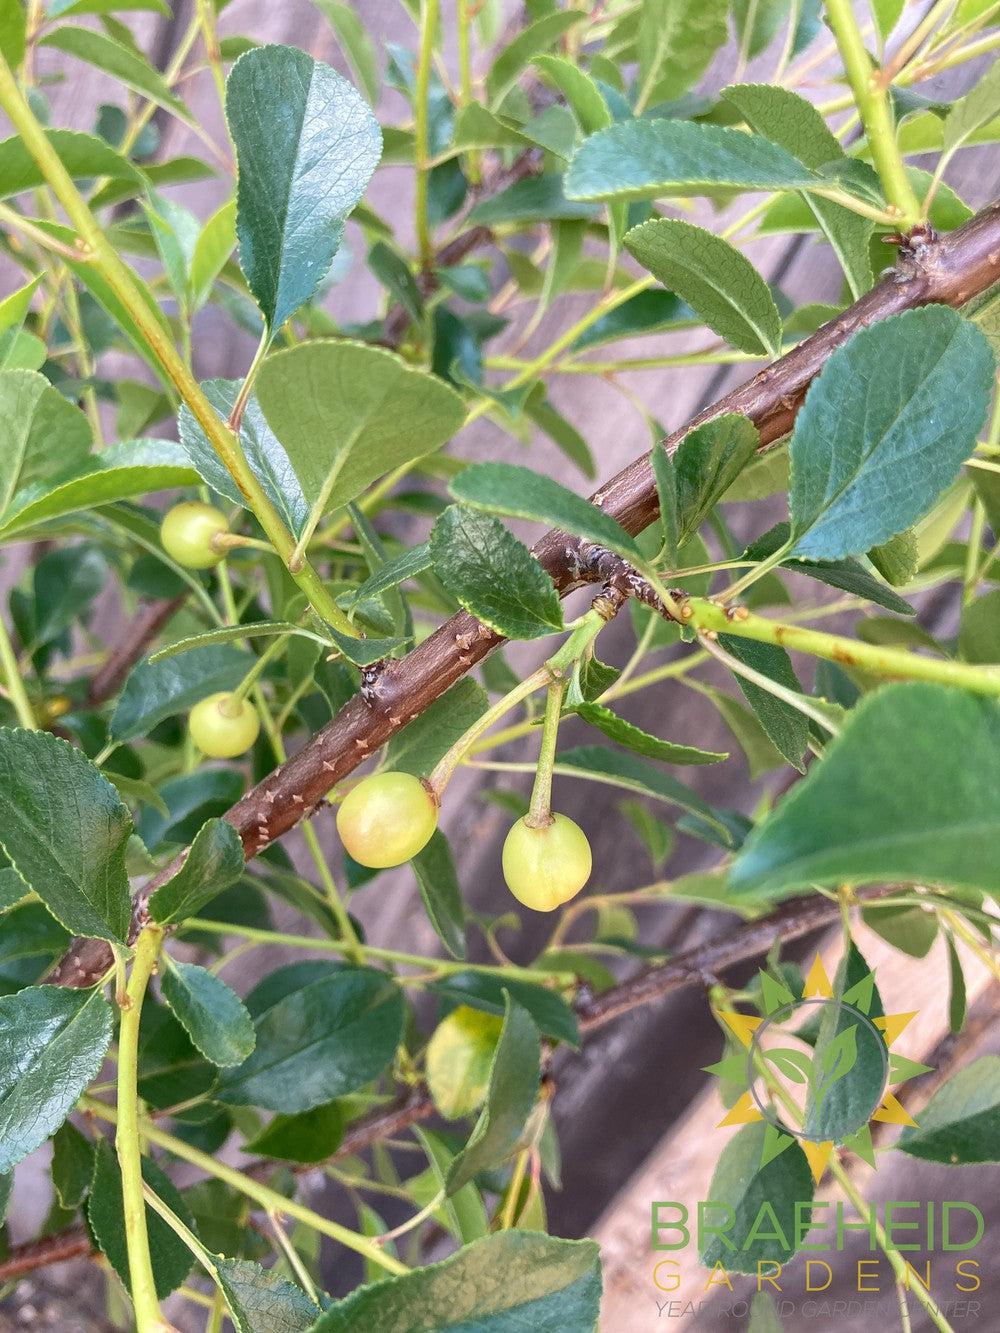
point(155, 691)
point(957, 995)
point(714, 278)
point(306, 146)
point(510, 1098)
point(707, 461)
point(764, 1317)
point(482, 990)
point(970, 113)
point(676, 43)
point(459, 1058)
point(848, 575)
point(421, 743)
point(434, 868)
point(493, 575)
point(795, 124)
point(120, 472)
point(125, 65)
point(35, 417)
point(396, 276)
point(233, 633)
point(355, 43)
point(654, 159)
point(961, 1122)
point(329, 1037)
point(52, 1043)
point(745, 1186)
point(502, 1282)
point(64, 828)
point(891, 799)
point(624, 770)
point(979, 638)
point(786, 727)
point(530, 41)
point(72, 1165)
point(535, 199)
point(13, 31)
point(311, 1136)
point(579, 89)
point(909, 929)
point(665, 477)
point(83, 155)
point(346, 414)
point(216, 242)
point(464, 1213)
point(268, 460)
point(211, 1013)
point(634, 738)
point(260, 1300)
point(885, 429)
point(518, 492)
point(213, 864)
point(171, 1257)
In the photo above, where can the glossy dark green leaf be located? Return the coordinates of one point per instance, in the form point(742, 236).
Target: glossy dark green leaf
point(893, 798)
point(434, 868)
point(483, 990)
point(653, 159)
point(325, 1039)
point(536, 199)
point(262, 1301)
point(267, 458)
point(885, 429)
point(64, 828)
point(212, 1014)
point(306, 146)
point(511, 1279)
point(52, 1043)
point(310, 1136)
point(72, 1164)
point(786, 727)
point(493, 575)
point(157, 690)
point(408, 564)
point(519, 492)
point(714, 278)
point(213, 864)
point(510, 1098)
point(961, 1122)
point(171, 1257)
point(346, 414)
point(641, 742)
point(742, 1183)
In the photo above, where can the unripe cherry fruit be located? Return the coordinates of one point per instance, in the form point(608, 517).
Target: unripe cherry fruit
point(223, 726)
point(187, 531)
point(546, 866)
point(386, 819)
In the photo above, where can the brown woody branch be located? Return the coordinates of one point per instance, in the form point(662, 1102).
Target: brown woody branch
point(950, 270)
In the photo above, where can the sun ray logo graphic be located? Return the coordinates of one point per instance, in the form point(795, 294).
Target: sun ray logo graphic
point(818, 1068)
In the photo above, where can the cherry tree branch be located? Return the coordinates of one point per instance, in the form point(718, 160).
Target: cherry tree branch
point(950, 270)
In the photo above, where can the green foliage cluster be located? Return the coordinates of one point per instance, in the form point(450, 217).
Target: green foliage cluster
point(328, 515)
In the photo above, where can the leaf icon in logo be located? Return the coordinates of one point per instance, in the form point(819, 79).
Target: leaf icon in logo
point(833, 1062)
point(793, 1064)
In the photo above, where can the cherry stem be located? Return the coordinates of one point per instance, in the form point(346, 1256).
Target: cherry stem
point(540, 810)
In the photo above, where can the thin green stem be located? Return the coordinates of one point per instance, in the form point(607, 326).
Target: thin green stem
point(540, 810)
point(268, 1199)
point(213, 54)
point(872, 102)
point(123, 283)
point(421, 128)
point(447, 764)
point(127, 1138)
point(800, 702)
point(439, 965)
point(757, 572)
point(891, 663)
point(15, 681)
point(508, 1218)
point(976, 529)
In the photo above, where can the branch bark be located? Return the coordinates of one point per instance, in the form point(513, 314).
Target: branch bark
point(950, 270)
